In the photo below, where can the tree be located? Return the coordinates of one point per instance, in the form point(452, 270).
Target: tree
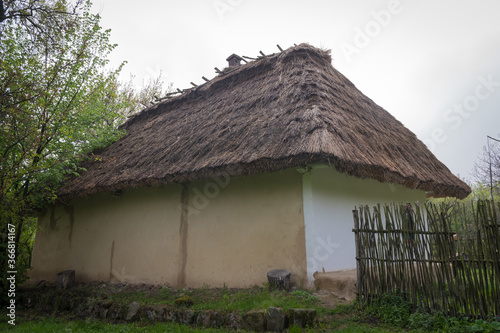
point(57, 103)
point(147, 96)
point(487, 167)
point(39, 16)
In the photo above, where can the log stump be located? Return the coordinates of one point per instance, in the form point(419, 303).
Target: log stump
point(65, 279)
point(279, 279)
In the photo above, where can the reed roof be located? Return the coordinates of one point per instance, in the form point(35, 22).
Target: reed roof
point(291, 109)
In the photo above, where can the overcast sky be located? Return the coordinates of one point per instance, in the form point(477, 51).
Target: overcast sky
point(434, 65)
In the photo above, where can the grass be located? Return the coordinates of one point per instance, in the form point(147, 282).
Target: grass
point(394, 311)
point(390, 313)
point(46, 325)
point(239, 300)
point(248, 299)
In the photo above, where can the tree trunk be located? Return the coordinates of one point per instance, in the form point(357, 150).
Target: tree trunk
point(279, 279)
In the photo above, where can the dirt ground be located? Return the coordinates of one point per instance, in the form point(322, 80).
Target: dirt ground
point(329, 299)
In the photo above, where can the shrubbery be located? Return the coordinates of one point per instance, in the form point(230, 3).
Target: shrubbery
point(394, 310)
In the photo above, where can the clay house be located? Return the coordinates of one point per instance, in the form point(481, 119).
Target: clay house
point(256, 169)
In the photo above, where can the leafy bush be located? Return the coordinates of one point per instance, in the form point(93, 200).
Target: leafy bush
point(391, 309)
point(427, 322)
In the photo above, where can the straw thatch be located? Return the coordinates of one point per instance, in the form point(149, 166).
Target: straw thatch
point(286, 110)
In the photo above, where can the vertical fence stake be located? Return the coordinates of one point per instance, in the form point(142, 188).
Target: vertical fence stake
point(358, 255)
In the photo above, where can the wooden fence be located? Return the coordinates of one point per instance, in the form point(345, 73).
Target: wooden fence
point(444, 258)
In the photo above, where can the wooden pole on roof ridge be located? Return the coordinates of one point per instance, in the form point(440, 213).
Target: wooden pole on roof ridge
point(489, 164)
point(491, 170)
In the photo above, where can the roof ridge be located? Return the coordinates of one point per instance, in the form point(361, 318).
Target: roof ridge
point(221, 73)
point(225, 71)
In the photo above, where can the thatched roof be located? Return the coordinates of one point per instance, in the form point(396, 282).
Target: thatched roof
point(285, 110)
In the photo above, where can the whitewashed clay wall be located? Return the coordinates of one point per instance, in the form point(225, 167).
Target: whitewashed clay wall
point(329, 198)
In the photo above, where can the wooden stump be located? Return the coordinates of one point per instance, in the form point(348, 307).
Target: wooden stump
point(65, 279)
point(279, 278)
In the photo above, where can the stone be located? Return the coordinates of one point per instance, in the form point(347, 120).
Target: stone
point(303, 318)
point(217, 320)
point(254, 320)
point(133, 312)
point(233, 322)
point(154, 312)
point(204, 318)
point(117, 311)
point(93, 309)
point(187, 317)
point(275, 320)
point(172, 315)
point(151, 314)
point(107, 303)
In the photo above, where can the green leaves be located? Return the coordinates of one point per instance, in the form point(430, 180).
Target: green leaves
point(57, 100)
point(58, 103)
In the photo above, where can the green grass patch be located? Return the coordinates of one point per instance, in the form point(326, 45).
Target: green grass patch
point(56, 325)
point(256, 298)
point(395, 311)
point(240, 300)
point(390, 313)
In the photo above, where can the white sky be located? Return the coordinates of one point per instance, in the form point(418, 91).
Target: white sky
point(434, 65)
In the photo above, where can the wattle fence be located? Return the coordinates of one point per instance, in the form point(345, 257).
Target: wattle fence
point(441, 257)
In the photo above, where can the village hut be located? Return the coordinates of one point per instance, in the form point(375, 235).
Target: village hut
point(256, 169)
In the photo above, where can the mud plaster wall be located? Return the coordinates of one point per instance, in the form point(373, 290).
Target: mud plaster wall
point(215, 232)
point(253, 225)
